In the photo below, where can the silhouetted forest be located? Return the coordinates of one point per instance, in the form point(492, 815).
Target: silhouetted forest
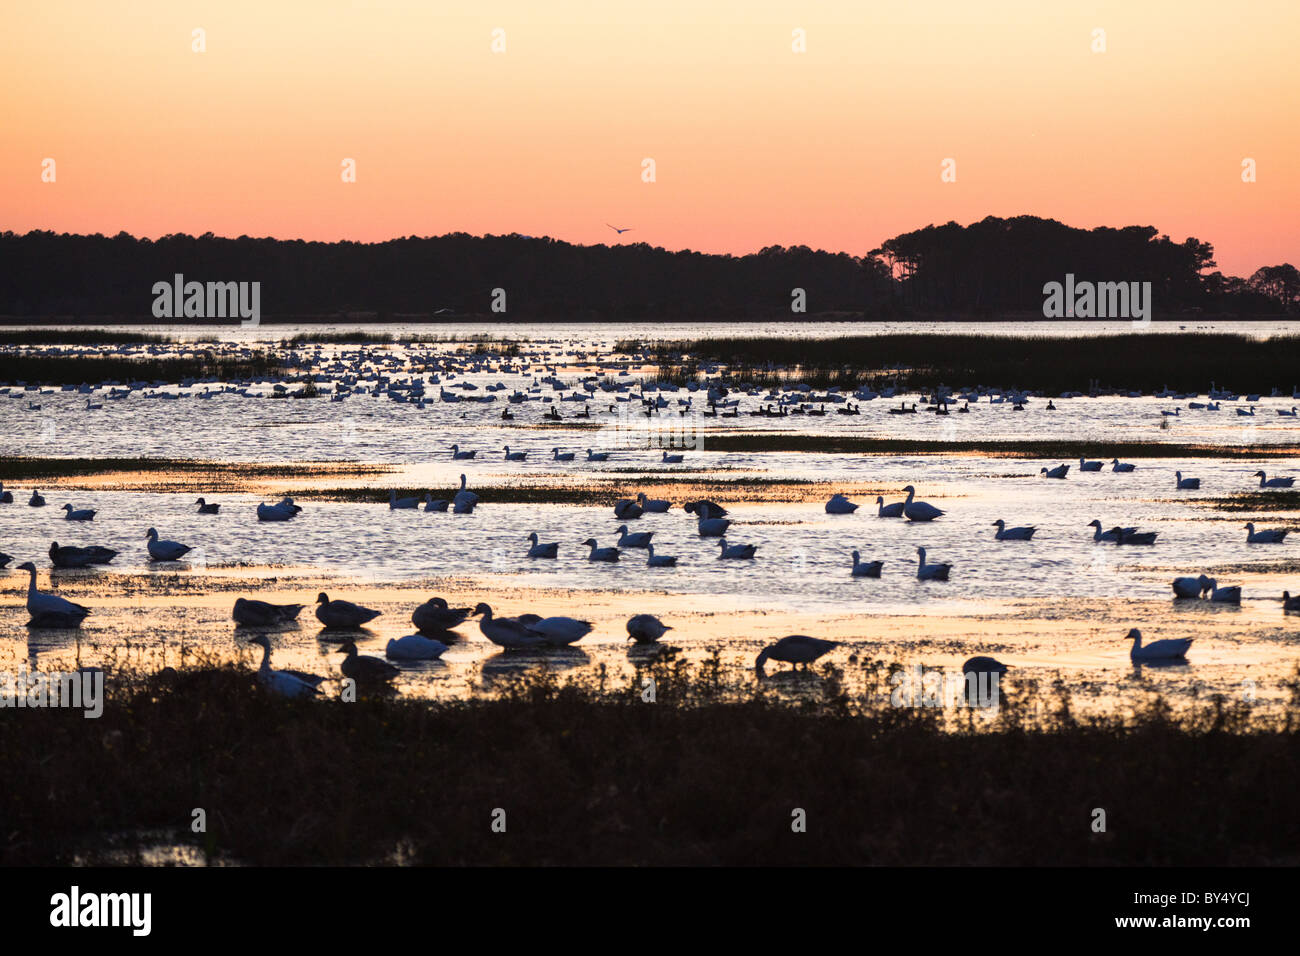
point(982, 270)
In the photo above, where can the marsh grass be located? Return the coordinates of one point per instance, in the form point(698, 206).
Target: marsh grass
point(1256, 501)
point(76, 369)
point(994, 448)
point(56, 336)
point(587, 772)
point(30, 469)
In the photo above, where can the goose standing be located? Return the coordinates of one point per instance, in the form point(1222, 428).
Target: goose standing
point(508, 632)
point(50, 610)
point(1187, 587)
point(1186, 484)
point(283, 683)
point(600, 554)
point(538, 550)
point(930, 572)
point(740, 552)
point(1218, 595)
point(434, 616)
point(364, 670)
point(415, 647)
point(1159, 651)
point(1012, 534)
point(639, 539)
point(868, 569)
point(342, 613)
point(559, 631)
point(796, 649)
point(918, 510)
point(253, 613)
point(1266, 482)
point(207, 509)
point(163, 550)
point(984, 665)
point(87, 514)
point(894, 510)
point(1274, 536)
point(646, 628)
point(659, 560)
point(840, 505)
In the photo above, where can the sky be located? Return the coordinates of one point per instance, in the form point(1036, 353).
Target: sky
point(754, 144)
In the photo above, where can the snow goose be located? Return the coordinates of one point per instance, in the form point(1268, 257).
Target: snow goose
point(1290, 603)
point(1218, 595)
point(741, 552)
point(1012, 534)
point(458, 455)
point(659, 560)
point(930, 572)
point(557, 456)
point(673, 459)
point(207, 509)
point(435, 504)
point(50, 610)
point(559, 631)
point(1060, 471)
point(984, 665)
point(894, 510)
point(538, 550)
point(1188, 587)
point(36, 500)
point(364, 670)
point(87, 514)
point(597, 455)
point(508, 632)
point(281, 511)
point(639, 539)
point(1273, 536)
point(653, 505)
point(1100, 535)
point(1157, 651)
point(515, 455)
point(163, 550)
point(1085, 465)
point(463, 502)
point(395, 503)
point(705, 509)
point(1266, 482)
point(627, 509)
point(600, 554)
point(342, 613)
point(283, 683)
point(866, 569)
point(1121, 466)
point(253, 613)
point(1186, 484)
point(414, 647)
point(840, 505)
point(919, 510)
point(5, 559)
point(646, 628)
point(6, 497)
point(796, 649)
point(712, 527)
point(1125, 536)
point(70, 557)
point(434, 616)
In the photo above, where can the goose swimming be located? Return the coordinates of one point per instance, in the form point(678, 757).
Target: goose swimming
point(1085, 465)
point(652, 505)
point(796, 649)
point(1186, 484)
point(639, 539)
point(87, 514)
point(281, 511)
point(894, 510)
point(1124, 536)
point(930, 572)
point(1060, 471)
point(434, 616)
point(36, 500)
point(283, 683)
point(1012, 534)
point(515, 455)
point(435, 504)
point(673, 459)
point(868, 569)
point(458, 455)
point(1158, 651)
point(646, 628)
point(627, 509)
point(342, 613)
point(464, 500)
point(163, 550)
point(712, 527)
point(543, 550)
point(253, 613)
point(740, 552)
point(50, 610)
point(705, 509)
point(1188, 587)
point(556, 456)
point(1266, 482)
point(659, 560)
point(600, 554)
point(1117, 465)
point(6, 497)
point(207, 509)
point(840, 505)
point(1276, 536)
point(1100, 535)
point(1218, 595)
point(394, 502)
point(597, 455)
point(70, 557)
point(1290, 603)
point(918, 510)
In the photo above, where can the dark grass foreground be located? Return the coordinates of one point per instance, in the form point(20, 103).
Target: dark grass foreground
point(593, 775)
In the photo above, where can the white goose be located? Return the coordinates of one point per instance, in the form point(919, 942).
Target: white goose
point(652, 505)
point(894, 510)
point(659, 560)
point(559, 631)
point(163, 550)
point(918, 510)
point(867, 569)
point(1267, 482)
point(646, 628)
point(741, 552)
point(509, 632)
point(50, 610)
point(1159, 651)
point(395, 502)
point(600, 554)
point(638, 539)
point(796, 649)
point(930, 572)
point(1186, 484)
point(86, 514)
point(414, 647)
point(463, 502)
point(539, 550)
point(283, 683)
point(1273, 536)
point(840, 505)
point(1012, 534)
point(1218, 595)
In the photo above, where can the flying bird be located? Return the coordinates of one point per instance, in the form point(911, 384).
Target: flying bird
point(618, 230)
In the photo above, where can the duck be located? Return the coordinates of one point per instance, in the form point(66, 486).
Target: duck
point(458, 455)
point(893, 510)
point(342, 613)
point(652, 505)
point(163, 550)
point(87, 514)
point(796, 649)
point(638, 539)
point(659, 560)
point(559, 631)
point(600, 554)
point(1266, 482)
point(1274, 536)
point(70, 557)
point(1187, 587)
point(254, 613)
point(37, 500)
point(50, 610)
point(283, 683)
point(538, 550)
point(1124, 536)
point(840, 505)
point(364, 670)
point(1060, 471)
point(866, 569)
point(1121, 466)
point(740, 552)
point(557, 456)
point(646, 628)
point(415, 647)
point(395, 503)
point(434, 616)
point(627, 509)
point(930, 572)
point(1218, 595)
point(1085, 465)
point(1159, 650)
point(435, 504)
point(1186, 484)
point(515, 455)
point(509, 632)
point(919, 510)
point(705, 509)
point(1012, 534)
point(207, 509)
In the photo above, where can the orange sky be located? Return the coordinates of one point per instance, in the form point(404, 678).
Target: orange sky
point(837, 148)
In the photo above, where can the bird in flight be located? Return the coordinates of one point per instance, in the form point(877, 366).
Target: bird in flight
point(618, 230)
